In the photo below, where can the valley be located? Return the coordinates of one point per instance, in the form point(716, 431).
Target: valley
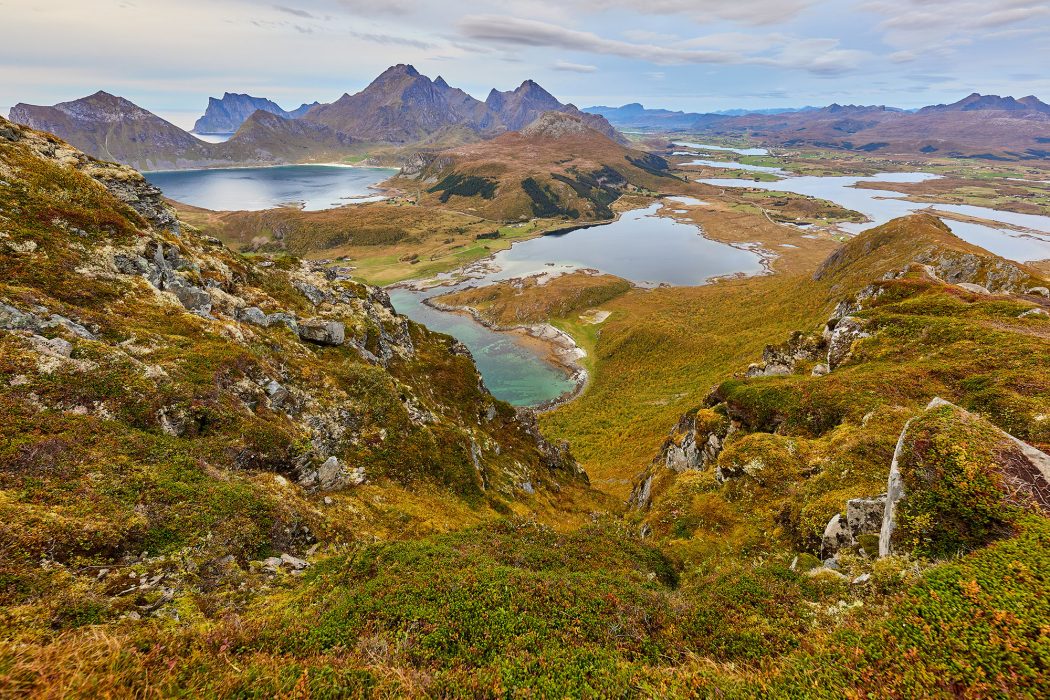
point(411, 394)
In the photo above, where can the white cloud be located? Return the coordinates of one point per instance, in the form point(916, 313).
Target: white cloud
point(574, 67)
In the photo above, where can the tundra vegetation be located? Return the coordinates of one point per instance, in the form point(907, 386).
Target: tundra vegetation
point(245, 476)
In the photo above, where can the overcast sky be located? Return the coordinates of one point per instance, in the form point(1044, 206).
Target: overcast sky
point(698, 55)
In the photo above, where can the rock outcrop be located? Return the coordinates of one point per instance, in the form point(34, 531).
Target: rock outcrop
point(957, 482)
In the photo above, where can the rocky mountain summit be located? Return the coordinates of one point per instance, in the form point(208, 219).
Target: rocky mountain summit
point(403, 106)
point(226, 114)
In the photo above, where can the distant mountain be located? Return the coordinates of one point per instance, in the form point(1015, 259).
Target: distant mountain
point(978, 103)
point(403, 106)
point(400, 107)
point(556, 167)
point(226, 114)
point(978, 126)
point(523, 105)
point(114, 129)
point(635, 116)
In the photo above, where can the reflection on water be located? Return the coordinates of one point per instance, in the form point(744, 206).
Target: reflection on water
point(314, 187)
point(883, 205)
point(641, 247)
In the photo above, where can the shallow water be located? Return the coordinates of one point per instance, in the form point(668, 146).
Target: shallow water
point(709, 147)
point(314, 187)
point(738, 166)
point(514, 372)
point(884, 205)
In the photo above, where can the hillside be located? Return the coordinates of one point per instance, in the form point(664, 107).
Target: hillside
point(978, 126)
point(170, 527)
point(224, 115)
point(112, 128)
point(557, 166)
point(169, 406)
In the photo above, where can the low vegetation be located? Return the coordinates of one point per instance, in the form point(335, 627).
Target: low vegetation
point(173, 524)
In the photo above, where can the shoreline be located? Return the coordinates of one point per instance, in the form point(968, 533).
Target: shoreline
point(559, 349)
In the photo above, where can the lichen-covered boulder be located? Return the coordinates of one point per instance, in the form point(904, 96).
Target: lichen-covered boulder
point(958, 482)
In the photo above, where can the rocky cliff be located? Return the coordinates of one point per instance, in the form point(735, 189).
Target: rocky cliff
point(226, 114)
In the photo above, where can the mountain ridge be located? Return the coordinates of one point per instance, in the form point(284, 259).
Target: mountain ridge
point(224, 115)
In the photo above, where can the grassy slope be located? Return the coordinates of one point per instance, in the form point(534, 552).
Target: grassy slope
point(662, 350)
point(707, 607)
point(90, 477)
point(383, 242)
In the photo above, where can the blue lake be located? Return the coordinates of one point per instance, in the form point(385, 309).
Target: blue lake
point(312, 187)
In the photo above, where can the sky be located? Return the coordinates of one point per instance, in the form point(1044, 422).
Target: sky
point(169, 56)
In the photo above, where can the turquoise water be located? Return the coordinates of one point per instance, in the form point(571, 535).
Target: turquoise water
point(313, 187)
point(513, 372)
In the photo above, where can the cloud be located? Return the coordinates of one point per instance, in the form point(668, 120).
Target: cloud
point(293, 11)
point(574, 67)
point(752, 12)
point(527, 32)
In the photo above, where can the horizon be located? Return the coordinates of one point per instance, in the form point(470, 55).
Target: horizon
point(682, 56)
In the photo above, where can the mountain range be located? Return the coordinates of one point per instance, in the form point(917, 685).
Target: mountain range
point(403, 106)
point(977, 126)
point(636, 116)
point(114, 129)
point(226, 114)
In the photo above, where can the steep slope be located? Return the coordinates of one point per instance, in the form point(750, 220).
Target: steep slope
point(112, 128)
point(401, 106)
point(226, 114)
point(160, 393)
point(557, 166)
point(270, 138)
point(525, 104)
point(777, 451)
point(404, 106)
point(978, 126)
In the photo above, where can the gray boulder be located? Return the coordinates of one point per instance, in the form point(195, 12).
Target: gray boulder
point(975, 288)
point(322, 332)
point(1037, 312)
point(836, 536)
point(845, 333)
point(864, 515)
point(1041, 291)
